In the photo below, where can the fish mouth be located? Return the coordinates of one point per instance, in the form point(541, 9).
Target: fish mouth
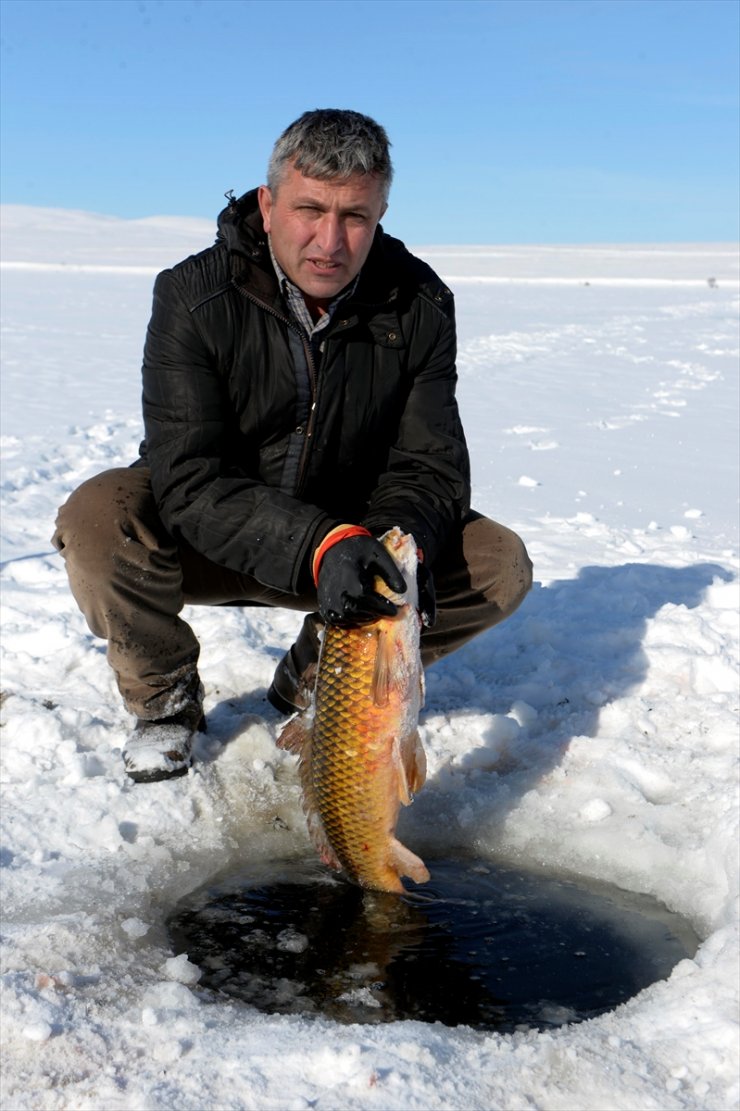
point(400, 604)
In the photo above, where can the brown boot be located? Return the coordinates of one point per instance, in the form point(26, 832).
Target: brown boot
point(288, 693)
point(162, 749)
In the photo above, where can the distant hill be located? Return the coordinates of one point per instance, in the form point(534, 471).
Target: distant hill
point(59, 237)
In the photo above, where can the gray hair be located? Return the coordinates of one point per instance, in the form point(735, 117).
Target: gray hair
point(332, 143)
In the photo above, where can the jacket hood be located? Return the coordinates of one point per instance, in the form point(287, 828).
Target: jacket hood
point(240, 226)
point(388, 268)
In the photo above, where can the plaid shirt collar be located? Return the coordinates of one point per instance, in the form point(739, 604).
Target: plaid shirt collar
point(297, 305)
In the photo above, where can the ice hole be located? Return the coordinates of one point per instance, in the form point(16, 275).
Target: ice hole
point(482, 944)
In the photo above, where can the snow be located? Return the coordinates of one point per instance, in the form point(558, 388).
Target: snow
point(594, 733)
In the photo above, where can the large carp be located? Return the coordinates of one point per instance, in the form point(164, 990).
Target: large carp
point(358, 742)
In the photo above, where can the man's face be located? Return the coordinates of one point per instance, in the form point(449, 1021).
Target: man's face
point(322, 231)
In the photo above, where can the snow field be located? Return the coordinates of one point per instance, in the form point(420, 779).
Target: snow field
point(594, 733)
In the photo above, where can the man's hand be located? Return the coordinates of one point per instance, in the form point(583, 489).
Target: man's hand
point(346, 579)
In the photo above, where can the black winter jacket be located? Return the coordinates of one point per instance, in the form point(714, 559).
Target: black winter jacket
point(251, 463)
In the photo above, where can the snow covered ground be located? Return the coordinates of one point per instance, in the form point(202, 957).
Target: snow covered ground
point(595, 733)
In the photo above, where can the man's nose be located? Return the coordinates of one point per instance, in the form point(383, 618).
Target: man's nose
point(329, 233)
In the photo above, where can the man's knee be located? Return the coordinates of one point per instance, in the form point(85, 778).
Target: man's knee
point(498, 563)
point(103, 514)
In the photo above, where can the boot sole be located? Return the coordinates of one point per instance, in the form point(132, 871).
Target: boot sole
point(155, 775)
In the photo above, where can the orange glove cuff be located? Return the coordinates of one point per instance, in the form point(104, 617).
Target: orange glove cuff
point(341, 532)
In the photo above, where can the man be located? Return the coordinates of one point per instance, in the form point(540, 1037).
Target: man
point(299, 400)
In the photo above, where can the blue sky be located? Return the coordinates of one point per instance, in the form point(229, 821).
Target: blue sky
point(512, 121)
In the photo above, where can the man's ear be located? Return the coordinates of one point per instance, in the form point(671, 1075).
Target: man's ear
point(264, 199)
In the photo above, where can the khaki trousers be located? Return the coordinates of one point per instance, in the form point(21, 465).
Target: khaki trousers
point(131, 580)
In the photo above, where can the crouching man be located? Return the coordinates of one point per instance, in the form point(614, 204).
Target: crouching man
point(299, 399)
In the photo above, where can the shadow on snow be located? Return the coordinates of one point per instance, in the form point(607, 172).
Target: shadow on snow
point(544, 676)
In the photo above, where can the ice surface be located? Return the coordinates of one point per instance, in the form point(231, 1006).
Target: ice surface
point(594, 732)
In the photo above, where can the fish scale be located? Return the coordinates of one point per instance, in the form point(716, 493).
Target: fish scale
point(348, 753)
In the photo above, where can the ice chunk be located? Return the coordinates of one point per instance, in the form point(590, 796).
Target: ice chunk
point(134, 927)
point(596, 810)
point(38, 1031)
point(523, 713)
point(181, 969)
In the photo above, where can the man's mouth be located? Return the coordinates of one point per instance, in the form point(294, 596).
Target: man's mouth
point(322, 264)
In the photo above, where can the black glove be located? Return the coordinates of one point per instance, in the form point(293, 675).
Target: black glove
point(346, 578)
point(427, 598)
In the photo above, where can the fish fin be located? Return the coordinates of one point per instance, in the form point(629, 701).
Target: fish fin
point(415, 761)
point(381, 681)
point(321, 841)
point(404, 790)
point(294, 735)
point(407, 863)
point(411, 762)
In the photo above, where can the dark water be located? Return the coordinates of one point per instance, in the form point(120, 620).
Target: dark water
point(482, 945)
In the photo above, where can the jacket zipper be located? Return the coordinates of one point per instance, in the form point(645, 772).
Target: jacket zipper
point(312, 378)
point(311, 422)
